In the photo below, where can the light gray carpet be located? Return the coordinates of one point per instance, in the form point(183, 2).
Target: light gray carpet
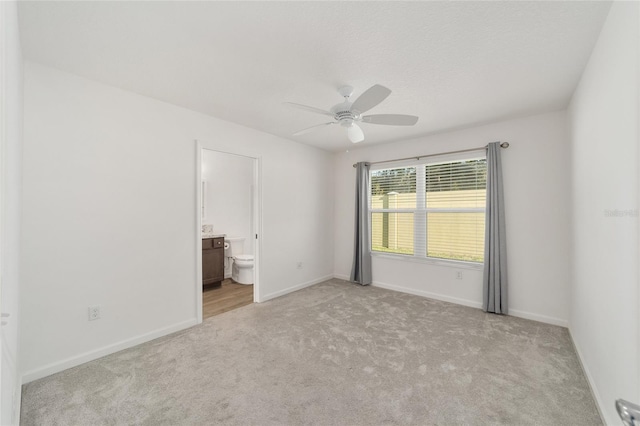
point(332, 354)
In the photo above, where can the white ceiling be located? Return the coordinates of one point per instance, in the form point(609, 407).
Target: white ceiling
point(453, 64)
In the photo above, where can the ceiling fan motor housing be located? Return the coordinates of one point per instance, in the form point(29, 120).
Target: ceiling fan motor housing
point(343, 114)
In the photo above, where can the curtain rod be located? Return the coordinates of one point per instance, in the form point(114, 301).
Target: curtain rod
point(502, 145)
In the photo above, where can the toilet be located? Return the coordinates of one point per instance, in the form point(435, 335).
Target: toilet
point(242, 264)
point(242, 271)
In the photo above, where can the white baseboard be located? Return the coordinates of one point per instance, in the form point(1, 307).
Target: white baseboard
point(422, 293)
point(294, 288)
point(428, 294)
point(17, 401)
point(73, 361)
point(465, 302)
point(592, 385)
point(537, 317)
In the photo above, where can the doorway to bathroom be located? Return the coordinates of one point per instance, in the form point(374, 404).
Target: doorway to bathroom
point(228, 204)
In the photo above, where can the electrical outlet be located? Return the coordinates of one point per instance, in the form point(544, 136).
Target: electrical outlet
point(94, 312)
point(299, 265)
point(458, 275)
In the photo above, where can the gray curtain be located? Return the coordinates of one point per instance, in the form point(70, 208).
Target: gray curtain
point(495, 242)
point(361, 269)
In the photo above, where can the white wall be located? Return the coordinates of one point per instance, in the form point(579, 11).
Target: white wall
point(110, 216)
point(229, 186)
point(11, 99)
point(605, 319)
point(229, 182)
point(537, 203)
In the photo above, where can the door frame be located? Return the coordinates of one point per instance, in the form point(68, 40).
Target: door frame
point(256, 219)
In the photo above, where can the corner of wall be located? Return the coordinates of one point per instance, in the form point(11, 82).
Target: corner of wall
point(594, 391)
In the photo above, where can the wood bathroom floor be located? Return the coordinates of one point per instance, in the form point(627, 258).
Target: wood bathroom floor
point(225, 298)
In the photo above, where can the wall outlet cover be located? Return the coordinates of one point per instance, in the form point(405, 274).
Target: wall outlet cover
point(94, 312)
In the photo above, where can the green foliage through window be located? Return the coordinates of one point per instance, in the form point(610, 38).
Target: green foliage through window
point(401, 180)
point(461, 175)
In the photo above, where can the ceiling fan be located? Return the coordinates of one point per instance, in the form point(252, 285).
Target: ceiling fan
point(348, 114)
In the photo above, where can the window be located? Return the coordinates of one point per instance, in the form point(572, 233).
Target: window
point(433, 210)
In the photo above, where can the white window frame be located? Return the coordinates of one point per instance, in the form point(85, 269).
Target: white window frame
point(420, 211)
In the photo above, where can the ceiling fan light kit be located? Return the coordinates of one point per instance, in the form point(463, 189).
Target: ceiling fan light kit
point(355, 133)
point(348, 114)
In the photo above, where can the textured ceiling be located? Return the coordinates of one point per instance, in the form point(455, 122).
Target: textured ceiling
point(453, 64)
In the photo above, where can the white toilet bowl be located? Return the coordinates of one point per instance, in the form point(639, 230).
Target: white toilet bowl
point(242, 271)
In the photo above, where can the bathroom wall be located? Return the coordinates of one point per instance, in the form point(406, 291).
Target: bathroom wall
point(228, 200)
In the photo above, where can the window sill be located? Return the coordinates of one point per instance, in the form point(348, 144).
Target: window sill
point(456, 264)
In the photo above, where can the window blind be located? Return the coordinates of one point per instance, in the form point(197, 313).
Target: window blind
point(455, 200)
point(394, 206)
point(430, 210)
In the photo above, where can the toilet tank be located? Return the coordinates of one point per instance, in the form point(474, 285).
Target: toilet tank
point(236, 246)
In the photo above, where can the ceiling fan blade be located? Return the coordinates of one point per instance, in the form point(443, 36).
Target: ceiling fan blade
point(391, 119)
point(309, 108)
point(370, 98)
point(312, 128)
point(355, 134)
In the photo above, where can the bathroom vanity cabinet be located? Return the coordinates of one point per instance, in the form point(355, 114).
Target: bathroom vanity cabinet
point(212, 261)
